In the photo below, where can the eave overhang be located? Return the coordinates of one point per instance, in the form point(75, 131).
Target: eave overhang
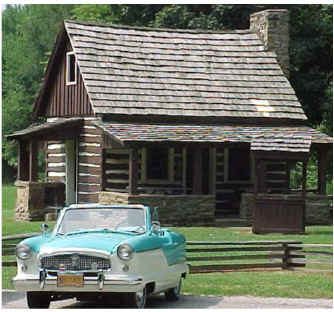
point(60, 130)
point(261, 139)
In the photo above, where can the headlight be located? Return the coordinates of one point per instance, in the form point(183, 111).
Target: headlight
point(125, 252)
point(23, 251)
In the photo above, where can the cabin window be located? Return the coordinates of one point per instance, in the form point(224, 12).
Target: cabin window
point(157, 163)
point(71, 69)
point(239, 168)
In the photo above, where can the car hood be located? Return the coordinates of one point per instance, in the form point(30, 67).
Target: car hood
point(98, 241)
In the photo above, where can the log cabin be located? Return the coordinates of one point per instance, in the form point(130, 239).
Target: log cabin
point(202, 124)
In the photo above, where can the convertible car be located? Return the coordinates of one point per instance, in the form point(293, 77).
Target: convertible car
point(104, 252)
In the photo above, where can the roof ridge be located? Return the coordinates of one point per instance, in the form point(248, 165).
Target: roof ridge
point(191, 31)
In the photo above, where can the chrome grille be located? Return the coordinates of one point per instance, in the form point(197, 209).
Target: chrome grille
point(75, 262)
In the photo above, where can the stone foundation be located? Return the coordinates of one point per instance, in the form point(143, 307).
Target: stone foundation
point(247, 205)
point(174, 210)
point(33, 198)
point(318, 208)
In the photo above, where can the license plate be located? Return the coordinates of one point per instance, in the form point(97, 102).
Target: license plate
point(73, 280)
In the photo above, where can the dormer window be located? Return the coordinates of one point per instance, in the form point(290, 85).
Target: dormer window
point(71, 69)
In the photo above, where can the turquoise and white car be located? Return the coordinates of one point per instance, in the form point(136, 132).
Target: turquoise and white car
point(102, 251)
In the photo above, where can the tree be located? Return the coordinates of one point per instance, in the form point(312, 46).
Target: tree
point(311, 56)
point(29, 32)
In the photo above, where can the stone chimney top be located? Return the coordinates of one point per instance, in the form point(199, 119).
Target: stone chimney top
point(272, 27)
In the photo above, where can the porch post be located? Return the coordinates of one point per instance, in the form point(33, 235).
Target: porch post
point(197, 168)
point(213, 170)
point(322, 169)
point(23, 161)
point(304, 178)
point(33, 161)
point(260, 184)
point(184, 170)
point(103, 171)
point(133, 171)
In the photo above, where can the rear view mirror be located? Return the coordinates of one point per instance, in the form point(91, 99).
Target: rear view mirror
point(155, 216)
point(44, 228)
point(155, 228)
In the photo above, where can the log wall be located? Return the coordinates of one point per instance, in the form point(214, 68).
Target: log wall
point(55, 161)
point(90, 163)
point(116, 169)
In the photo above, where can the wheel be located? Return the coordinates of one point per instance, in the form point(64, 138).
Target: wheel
point(136, 300)
point(173, 294)
point(38, 300)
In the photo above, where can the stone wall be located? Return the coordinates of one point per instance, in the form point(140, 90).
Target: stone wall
point(32, 199)
point(174, 210)
point(247, 205)
point(272, 27)
point(318, 208)
point(29, 201)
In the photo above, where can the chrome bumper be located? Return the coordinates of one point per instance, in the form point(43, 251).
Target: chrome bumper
point(101, 283)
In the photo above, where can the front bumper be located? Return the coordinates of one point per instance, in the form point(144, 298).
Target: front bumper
point(101, 283)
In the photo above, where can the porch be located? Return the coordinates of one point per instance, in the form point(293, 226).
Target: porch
point(225, 163)
point(195, 174)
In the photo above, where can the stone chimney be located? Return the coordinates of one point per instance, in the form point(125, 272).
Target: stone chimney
point(272, 27)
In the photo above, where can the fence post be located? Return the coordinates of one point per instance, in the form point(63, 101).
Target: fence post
point(286, 256)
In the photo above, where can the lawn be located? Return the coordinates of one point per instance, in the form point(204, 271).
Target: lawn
point(288, 284)
point(313, 234)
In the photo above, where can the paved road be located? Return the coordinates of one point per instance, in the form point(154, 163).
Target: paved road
point(15, 300)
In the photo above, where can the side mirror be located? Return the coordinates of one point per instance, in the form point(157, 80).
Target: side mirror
point(155, 227)
point(44, 228)
point(155, 215)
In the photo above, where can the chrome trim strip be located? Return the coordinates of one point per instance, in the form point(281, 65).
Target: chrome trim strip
point(46, 252)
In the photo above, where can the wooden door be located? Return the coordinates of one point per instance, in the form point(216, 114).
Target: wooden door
point(279, 214)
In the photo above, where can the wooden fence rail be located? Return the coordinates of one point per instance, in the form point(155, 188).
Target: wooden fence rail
point(204, 257)
point(317, 257)
point(246, 253)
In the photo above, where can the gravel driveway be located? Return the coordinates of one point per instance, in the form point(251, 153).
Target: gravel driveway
point(15, 300)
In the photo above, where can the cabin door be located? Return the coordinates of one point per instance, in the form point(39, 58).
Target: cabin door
point(71, 172)
point(233, 176)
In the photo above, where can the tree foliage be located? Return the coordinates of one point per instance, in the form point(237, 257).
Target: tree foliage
point(311, 56)
point(29, 32)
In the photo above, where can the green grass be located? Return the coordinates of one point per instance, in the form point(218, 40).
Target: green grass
point(7, 274)
point(267, 284)
point(286, 284)
point(313, 234)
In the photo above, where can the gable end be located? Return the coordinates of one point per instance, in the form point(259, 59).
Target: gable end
point(57, 98)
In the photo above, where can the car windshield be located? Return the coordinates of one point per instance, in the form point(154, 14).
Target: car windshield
point(107, 219)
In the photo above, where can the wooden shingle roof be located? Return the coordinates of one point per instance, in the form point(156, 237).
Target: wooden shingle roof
point(290, 139)
point(143, 71)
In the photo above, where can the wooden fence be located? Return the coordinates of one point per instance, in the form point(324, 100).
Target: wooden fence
point(205, 257)
point(247, 255)
point(8, 247)
point(317, 257)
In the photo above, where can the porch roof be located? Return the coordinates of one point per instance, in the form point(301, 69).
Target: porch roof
point(289, 139)
point(49, 130)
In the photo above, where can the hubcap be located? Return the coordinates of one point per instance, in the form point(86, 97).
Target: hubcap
point(140, 298)
point(177, 288)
